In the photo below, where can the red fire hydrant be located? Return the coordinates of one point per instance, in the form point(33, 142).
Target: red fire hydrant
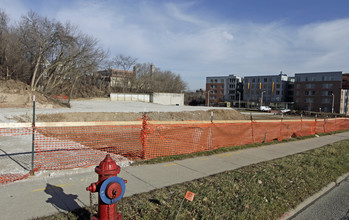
point(110, 189)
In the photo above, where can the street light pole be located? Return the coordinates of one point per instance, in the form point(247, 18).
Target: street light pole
point(332, 102)
point(208, 97)
point(239, 97)
point(262, 98)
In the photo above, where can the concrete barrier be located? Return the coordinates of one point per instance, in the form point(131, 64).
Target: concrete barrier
point(124, 97)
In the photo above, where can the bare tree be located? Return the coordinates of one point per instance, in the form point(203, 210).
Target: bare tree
point(58, 53)
point(157, 81)
point(4, 34)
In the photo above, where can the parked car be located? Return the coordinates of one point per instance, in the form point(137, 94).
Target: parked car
point(264, 108)
point(285, 110)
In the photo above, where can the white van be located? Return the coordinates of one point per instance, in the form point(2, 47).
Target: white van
point(264, 108)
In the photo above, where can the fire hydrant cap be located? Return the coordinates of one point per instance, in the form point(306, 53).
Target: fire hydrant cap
point(107, 166)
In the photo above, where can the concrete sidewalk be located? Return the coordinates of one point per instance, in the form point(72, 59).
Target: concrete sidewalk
point(61, 191)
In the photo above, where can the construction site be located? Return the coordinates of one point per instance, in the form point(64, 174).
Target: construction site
point(41, 138)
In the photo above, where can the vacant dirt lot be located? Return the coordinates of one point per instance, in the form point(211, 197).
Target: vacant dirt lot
point(16, 106)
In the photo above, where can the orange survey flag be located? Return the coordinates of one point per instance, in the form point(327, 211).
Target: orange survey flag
point(189, 196)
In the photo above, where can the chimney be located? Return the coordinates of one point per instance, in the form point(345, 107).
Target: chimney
point(152, 68)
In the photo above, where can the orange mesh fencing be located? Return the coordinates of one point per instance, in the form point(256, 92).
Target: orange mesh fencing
point(7, 174)
point(71, 145)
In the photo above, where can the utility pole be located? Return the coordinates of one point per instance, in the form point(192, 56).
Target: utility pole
point(332, 103)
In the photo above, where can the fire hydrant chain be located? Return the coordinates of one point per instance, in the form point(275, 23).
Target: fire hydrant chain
point(91, 202)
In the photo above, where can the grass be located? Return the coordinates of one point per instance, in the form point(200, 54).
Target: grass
point(262, 191)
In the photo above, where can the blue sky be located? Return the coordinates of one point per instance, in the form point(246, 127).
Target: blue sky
point(211, 37)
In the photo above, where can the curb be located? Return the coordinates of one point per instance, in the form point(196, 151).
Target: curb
point(313, 198)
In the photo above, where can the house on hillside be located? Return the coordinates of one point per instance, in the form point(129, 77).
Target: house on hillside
point(117, 78)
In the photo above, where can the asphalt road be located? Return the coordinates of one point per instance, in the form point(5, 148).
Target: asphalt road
point(332, 205)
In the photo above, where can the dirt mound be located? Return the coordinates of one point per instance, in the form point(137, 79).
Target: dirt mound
point(16, 94)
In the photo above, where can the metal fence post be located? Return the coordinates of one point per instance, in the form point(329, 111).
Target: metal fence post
point(144, 133)
point(252, 126)
point(33, 137)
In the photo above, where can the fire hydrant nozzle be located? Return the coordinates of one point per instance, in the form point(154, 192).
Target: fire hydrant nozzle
point(92, 187)
point(109, 187)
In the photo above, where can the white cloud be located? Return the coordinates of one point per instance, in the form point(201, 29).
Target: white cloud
point(14, 8)
point(173, 37)
point(176, 12)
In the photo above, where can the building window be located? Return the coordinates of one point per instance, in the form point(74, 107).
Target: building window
point(327, 85)
point(213, 86)
point(278, 92)
point(327, 78)
point(310, 86)
point(253, 80)
point(222, 80)
point(211, 80)
point(311, 93)
point(326, 101)
point(278, 86)
point(265, 79)
point(309, 100)
point(298, 86)
point(222, 86)
point(215, 80)
point(213, 97)
point(325, 93)
point(297, 93)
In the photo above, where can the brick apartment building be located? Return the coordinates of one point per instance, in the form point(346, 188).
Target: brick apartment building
point(215, 88)
point(223, 88)
point(318, 91)
point(321, 91)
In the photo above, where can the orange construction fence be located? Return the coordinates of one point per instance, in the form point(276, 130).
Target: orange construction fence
point(64, 145)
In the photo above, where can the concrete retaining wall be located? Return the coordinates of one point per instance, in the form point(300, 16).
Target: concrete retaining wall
point(123, 97)
point(158, 98)
point(168, 98)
